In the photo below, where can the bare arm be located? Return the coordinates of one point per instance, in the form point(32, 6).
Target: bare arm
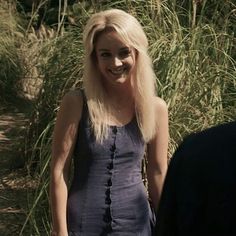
point(157, 153)
point(64, 137)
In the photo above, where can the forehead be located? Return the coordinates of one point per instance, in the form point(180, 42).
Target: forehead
point(109, 39)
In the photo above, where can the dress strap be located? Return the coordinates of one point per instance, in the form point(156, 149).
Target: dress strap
point(83, 94)
point(85, 112)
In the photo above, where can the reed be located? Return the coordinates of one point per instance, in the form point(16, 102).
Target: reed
point(10, 64)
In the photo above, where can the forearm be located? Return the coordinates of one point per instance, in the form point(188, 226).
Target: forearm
point(155, 184)
point(58, 200)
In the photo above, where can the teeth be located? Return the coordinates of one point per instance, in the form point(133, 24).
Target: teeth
point(118, 71)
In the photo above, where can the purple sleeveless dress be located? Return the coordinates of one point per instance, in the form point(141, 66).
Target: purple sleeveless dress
point(107, 196)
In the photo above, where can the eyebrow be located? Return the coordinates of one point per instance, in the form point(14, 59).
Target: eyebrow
point(102, 49)
point(107, 50)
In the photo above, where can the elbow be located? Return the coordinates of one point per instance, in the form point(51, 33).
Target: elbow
point(157, 169)
point(58, 175)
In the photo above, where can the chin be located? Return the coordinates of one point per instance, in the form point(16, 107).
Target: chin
point(121, 80)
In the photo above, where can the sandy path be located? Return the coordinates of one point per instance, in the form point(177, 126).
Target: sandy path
point(14, 182)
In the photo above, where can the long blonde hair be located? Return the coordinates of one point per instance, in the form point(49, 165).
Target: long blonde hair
point(143, 80)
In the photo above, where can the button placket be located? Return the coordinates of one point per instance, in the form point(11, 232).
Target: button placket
point(108, 217)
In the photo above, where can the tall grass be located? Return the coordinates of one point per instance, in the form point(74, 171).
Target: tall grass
point(196, 72)
point(10, 64)
point(193, 52)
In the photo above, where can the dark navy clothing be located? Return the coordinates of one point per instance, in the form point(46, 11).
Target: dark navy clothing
point(107, 195)
point(199, 193)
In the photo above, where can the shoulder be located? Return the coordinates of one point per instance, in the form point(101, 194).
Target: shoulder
point(73, 98)
point(160, 105)
point(72, 103)
point(214, 139)
point(161, 109)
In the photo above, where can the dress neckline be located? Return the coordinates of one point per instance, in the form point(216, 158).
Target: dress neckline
point(123, 126)
point(85, 106)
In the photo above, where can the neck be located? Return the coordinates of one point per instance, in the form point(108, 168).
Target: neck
point(119, 93)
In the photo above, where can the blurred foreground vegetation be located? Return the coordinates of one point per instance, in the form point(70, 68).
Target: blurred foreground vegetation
point(192, 44)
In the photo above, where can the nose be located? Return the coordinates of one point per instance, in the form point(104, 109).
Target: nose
point(117, 61)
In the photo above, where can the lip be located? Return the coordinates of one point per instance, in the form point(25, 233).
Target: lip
point(117, 72)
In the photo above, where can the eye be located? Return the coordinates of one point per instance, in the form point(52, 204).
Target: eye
point(105, 54)
point(125, 53)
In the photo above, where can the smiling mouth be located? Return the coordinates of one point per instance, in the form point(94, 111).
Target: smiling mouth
point(118, 71)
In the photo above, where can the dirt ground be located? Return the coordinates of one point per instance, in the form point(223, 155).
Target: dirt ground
point(15, 185)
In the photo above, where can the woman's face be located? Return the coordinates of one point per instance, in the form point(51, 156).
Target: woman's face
point(115, 59)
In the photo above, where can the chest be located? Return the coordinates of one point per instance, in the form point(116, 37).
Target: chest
point(121, 142)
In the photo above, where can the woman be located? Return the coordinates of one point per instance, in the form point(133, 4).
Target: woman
point(106, 127)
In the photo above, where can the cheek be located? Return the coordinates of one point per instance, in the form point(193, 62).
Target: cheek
point(98, 62)
point(101, 66)
point(131, 63)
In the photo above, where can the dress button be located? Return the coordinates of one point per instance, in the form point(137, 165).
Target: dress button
point(108, 191)
point(108, 200)
point(109, 183)
point(108, 212)
point(114, 129)
point(113, 148)
point(110, 166)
